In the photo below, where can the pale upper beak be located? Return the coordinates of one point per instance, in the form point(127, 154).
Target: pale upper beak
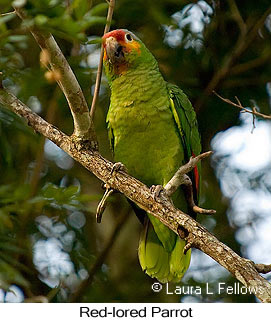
point(113, 50)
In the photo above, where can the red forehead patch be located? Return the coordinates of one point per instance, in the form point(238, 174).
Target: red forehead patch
point(118, 34)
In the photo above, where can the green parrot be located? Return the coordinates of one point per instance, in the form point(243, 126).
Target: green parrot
point(153, 131)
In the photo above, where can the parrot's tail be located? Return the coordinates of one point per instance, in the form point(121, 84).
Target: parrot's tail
point(157, 260)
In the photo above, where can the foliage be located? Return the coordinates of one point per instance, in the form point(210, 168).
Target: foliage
point(48, 235)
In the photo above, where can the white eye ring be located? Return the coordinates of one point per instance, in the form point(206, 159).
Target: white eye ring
point(128, 37)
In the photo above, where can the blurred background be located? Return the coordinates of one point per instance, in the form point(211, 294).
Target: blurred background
point(51, 248)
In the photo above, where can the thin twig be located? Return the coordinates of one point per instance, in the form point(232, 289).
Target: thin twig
point(237, 16)
point(254, 63)
point(7, 13)
point(239, 106)
point(100, 66)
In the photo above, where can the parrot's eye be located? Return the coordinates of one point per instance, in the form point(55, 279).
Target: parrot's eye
point(128, 37)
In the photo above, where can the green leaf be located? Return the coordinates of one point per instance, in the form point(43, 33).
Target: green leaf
point(17, 38)
point(89, 21)
point(99, 9)
point(80, 7)
point(41, 20)
point(97, 40)
point(4, 19)
point(62, 196)
point(10, 275)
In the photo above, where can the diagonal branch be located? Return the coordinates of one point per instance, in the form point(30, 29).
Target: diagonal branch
point(57, 63)
point(195, 234)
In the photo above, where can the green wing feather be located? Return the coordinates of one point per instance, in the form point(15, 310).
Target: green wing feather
point(186, 122)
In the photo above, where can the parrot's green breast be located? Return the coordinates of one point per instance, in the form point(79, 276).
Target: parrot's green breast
point(145, 136)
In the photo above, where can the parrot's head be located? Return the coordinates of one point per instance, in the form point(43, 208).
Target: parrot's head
point(123, 52)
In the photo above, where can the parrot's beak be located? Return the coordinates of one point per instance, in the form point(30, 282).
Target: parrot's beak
point(114, 50)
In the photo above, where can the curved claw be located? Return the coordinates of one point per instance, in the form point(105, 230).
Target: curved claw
point(118, 167)
point(102, 205)
point(156, 190)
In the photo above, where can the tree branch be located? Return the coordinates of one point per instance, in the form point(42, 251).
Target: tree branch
point(111, 7)
point(181, 178)
point(57, 63)
point(7, 13)
point(189, 229)
point(239, 106)
point(178, 178)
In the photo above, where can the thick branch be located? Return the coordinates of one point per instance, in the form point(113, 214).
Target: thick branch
point(197, 236)
point(83, 125)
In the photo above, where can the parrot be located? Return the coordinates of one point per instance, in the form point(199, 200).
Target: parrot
point(152, 129)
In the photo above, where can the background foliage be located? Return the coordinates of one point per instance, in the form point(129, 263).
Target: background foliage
point(49, 240)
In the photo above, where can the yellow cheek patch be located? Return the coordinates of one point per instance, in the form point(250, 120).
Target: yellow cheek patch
point(105, 56)
point(133, 45)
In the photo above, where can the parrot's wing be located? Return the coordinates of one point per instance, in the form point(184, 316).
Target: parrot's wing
point(186, 123)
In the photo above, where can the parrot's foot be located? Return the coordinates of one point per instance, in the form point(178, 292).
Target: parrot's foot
point(158, 191)
point(185, 235)
point(115, 168)
point(108, 191)
point(84, 143)
point(118, 167)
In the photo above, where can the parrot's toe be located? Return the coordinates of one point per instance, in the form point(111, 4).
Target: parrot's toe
point(82, 143)
point(158, 191)
point(118, 167)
